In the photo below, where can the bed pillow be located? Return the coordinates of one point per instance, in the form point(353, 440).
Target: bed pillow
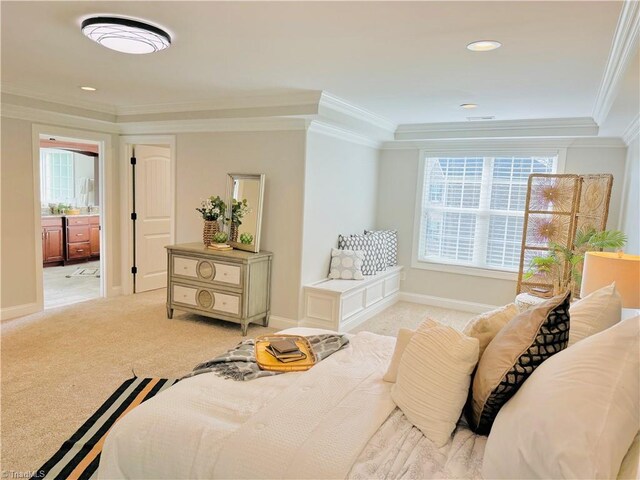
point(363, 243)
point(516, 351)
point(346, 264)
point(576, 417)
point(433, 379)
point(596, 312)
point(485, 327)
point(402, 340)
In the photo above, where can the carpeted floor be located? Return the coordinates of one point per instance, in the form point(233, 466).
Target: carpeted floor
point(59, 366)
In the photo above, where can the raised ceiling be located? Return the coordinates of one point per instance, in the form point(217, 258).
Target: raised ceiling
point(406, 61)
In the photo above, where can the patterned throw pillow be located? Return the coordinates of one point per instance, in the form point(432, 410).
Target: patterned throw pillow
point(346, 264)
point(362, 243)
point(379, 249)
point(391, 241)
point(515, 352)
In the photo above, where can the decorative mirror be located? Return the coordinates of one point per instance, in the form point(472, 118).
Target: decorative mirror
point(244, 212)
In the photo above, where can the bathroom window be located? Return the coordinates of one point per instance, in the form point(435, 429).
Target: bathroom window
point(56, 176)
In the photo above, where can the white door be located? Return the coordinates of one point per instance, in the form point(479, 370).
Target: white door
point(153, 215)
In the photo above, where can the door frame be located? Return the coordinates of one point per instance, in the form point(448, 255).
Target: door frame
point(127, 142)
point(107, 239)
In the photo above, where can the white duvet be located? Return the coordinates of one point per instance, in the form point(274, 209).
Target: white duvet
point(335, 421)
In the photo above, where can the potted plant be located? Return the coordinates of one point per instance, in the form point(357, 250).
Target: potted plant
point(238, 210)
point(553, 266)
point(212, 210)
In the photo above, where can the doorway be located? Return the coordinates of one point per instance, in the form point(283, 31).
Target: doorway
point(151, 203)
point(70, 197)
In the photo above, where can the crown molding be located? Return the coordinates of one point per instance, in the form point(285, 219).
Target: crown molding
point(37, 115)
point(59, 99)
point(632, 131)
point(546, 127)
point(301, 99)
point(476, 144)
point(339, 105)
point(257, 124)
point(623, 47)
point(332, 130)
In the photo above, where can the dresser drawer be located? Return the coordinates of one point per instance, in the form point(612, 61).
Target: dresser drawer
point(77, 220)
point(78, 234)
point(78, 250)
point(207, 270)
point(206, 299)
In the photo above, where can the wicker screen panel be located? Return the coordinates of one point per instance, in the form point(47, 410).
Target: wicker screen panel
point(550, 216)
point(595, 196)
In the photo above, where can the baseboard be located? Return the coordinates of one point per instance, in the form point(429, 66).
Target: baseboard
point(369, 312)
point(282, 322)
point(114, 292)
point(446, 302)
point(8, 313)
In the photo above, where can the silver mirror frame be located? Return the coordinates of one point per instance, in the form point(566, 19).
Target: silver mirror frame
point(232, 177)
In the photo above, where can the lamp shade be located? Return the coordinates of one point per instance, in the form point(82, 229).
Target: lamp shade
point(603, 268)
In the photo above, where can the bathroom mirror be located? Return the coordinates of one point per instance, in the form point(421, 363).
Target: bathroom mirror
point(245, 194)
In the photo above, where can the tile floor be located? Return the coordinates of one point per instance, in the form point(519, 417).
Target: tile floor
point(62, 288)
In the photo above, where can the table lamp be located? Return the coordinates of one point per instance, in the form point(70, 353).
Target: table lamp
point(603, 268)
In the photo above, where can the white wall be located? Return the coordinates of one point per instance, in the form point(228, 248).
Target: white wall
point(203, 161)
point(630, 217)
point(339, 198)
point(396, 205)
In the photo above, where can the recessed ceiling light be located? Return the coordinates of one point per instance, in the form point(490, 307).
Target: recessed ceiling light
point(469, 106)
point(126, 35)
point(483, 45)
point(88, 89)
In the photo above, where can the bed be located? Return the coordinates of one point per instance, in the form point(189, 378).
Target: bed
point(335, 421)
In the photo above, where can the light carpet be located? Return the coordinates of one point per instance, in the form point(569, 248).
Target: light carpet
point(59, 366)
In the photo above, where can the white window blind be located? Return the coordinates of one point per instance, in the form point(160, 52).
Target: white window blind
point(56, 176)
point(473, 209)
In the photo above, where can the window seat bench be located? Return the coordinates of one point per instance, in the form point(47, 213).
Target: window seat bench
point(343, 304)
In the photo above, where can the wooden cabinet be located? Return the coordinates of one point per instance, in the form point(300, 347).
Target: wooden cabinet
point(94, 236)
point(77, 233)
point(232, 285)
point(52, 240)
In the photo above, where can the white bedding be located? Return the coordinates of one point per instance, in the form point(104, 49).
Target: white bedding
point(209, 427)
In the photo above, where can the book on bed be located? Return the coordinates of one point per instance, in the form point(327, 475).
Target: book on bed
point(291, 356)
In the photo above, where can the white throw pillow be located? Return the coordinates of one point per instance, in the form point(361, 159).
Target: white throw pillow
point(575, 416)
point(346, 264)
point(486, 326)
point(404, 335)
point(595, 312)
point(433, 379)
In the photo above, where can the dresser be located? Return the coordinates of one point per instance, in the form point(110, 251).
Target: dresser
point(234, 285)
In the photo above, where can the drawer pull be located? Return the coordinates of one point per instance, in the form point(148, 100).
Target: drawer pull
point(79, 234)
point(79, 250)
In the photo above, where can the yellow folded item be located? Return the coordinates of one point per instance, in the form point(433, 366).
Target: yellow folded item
point(266, 361)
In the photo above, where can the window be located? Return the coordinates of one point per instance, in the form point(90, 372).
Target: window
point(56, 176)
point(473, 209)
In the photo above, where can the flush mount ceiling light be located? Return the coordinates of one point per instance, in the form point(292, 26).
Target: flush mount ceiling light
point(88, 89)
point(126, 35)
point(483, 45)
point(469, 106)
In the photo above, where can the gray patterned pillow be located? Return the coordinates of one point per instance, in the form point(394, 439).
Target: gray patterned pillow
point(363, 243)
point(346, 264)
point(379, 249)
point(391, 241)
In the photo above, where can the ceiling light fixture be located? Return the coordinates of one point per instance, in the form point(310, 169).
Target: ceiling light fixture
point(88, 89)
point(483, 45)
point(126, 35)
point(469, 106)
point(480, 119)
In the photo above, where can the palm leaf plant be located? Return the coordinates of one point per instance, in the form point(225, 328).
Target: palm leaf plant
point(560, 257)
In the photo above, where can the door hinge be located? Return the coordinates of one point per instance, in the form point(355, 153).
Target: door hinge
point(133, 160)
point(134, 270)
point(134, 216)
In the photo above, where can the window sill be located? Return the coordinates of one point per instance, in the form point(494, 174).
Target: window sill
point(464, 270)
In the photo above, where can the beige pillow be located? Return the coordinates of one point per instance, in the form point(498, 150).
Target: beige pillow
point(404, 335)
point(484, 327)
point(595, 312)
point(576, 416)
point(433, 379)
point(516, 351)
